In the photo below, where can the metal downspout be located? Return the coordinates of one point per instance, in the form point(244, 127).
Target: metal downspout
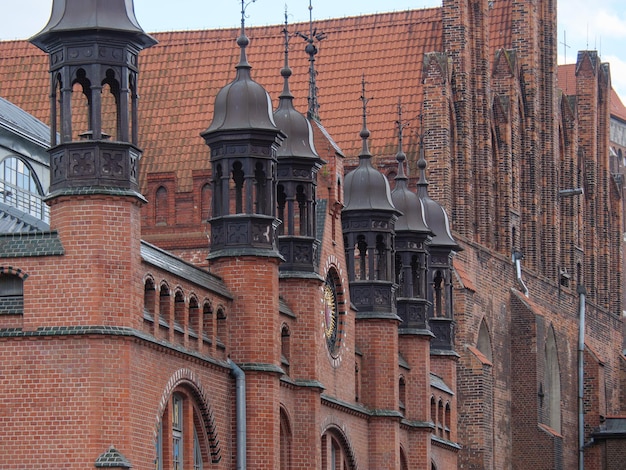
point(240, 406)
point(517, 261)
point(582, 293)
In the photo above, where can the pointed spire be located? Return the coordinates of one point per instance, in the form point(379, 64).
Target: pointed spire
point(365, 133)
point(405, 200)
point(400, 156)
point(311, 50)
point(435, 215)
point(242, 40)
point(422, 182)
point(285, 72)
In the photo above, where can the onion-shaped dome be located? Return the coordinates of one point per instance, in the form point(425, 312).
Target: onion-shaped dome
point(366, 188)
point(91, 15)
point(299, 140)
point(243, 103)
point(435, 215)
point(405, 200)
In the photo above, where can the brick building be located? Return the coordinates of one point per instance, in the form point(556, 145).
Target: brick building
point(263, 298)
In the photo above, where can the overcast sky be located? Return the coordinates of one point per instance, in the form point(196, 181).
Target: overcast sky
point(583, 24)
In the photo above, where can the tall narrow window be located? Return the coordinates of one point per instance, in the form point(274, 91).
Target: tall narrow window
point(438, 285)
point(238, 179)
point(381, 259)
point(177, 432)
point(182, 435)
point(402, 393)
point(260, 181)
point(484, 341)
point(360, 262)
point(160, 206)
point(285, 441)
point(197, 452)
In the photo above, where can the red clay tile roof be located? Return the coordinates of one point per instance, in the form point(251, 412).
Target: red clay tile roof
point(618, 109)
point(181, 75)
point(566, 78)
point(466, 281)
point(500, 30)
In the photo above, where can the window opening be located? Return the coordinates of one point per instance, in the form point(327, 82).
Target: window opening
point(20, 188)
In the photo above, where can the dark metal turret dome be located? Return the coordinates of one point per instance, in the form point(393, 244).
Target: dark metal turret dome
point(91, 15)
point(366, 188)
point(405, 200)
point(243, 103)
point(435, 215)
point(299, 141)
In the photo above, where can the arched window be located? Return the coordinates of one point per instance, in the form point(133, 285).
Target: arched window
point(402, 394)
point(433, 413)
point(11, 295)
point(149, 305)
point(281, 201)
point(484, 341)
point(360, 258)
point(381, 259)
point(194, 325)
point(404, 464)
point(110, 106)
point(285, 348)
point(260, 182)
point(179, 316)
point(207, 324)
point(160, 206)
point(164, 306)
point(336, 453)
point(221, 326)
point(81, 101)
point(20, 188)
point(238, 180)
point(181, 441)
point(285, 441)
point(438, 283)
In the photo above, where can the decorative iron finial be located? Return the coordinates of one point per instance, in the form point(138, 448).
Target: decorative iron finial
point(422, 183)
point(311, 50)
point(242, 40)
point(365, 133)
point(285, 72)
point(400, 156)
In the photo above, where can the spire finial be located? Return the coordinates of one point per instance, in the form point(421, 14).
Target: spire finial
point(365, 133)
point(311, 50)
point(285, 72)
point(242, 40)
point(400, 156)
point(422, 183)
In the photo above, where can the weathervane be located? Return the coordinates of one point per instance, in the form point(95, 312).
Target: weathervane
point(311, 50)
point(401, 156)
point(365, 133)
point(244, 5)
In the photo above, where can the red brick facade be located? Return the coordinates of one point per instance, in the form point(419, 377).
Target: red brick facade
point(117, 334)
